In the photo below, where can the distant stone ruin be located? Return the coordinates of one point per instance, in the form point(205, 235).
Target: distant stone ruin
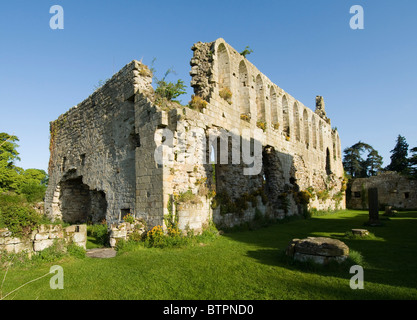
point(247, 149)
point(394, 190)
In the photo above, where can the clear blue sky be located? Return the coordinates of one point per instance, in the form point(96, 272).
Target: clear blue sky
point(368, 77)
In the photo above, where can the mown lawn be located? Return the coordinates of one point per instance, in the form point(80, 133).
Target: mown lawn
point(241, 265)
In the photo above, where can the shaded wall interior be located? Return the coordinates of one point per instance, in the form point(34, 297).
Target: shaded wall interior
point(79, 204)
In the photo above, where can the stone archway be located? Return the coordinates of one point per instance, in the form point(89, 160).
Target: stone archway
point(79, 204)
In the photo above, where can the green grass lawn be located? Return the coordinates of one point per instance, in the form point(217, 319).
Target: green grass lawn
point(241, 265)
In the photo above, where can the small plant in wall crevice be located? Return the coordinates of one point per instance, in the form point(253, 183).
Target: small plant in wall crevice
point(226, 94)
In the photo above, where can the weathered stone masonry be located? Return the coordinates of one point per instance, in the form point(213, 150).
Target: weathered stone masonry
point(44, 236)
point(393, 190)
point(103, 151)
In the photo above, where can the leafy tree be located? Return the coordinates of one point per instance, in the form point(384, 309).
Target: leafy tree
point(352, 161)
point(373, 162)
point(35, 175)
point(399, 157)
point(8, 147)
point(9, 173)
point(33, 184)
point(30, 183)
point(356, 166)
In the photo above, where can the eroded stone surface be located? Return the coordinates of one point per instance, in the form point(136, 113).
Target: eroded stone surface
point(43, 237)
point(394, 191)
point(102, 253)
point(360, 232)
point(126, 230)
point(319, 249)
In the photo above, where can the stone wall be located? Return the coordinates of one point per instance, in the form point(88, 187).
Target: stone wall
point(93, 150)
point(125, 231)
point(393, 190)
point(124, 151)
point(306, 149)
point(149, 174)
point(43, 237)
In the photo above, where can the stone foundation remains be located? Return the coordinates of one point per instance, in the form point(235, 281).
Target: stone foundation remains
point(43, 237)
point(125, 231)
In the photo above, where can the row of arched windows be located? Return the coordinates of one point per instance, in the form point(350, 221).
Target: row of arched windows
point(269, 98)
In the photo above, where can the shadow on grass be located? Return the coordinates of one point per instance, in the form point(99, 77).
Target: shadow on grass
point(388, 258)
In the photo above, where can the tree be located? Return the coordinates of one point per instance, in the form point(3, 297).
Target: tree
point(31, 182)
point(374, 162)
point(352, 161)
point(9, 173)
point(8, 148)
point(399, 157)
point(356, 166)
point(413, 163)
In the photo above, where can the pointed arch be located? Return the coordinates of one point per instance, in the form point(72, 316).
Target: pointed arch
point(223, 66)
point(339, 147)
point(260, 98)
point(314, 131)
point(321, 134)
point(296, 120)
point(244, 103)
point(285, 116)
point(274, 107)
point(306, 128)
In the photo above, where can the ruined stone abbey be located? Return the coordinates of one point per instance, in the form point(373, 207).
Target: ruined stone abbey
point(246, 149)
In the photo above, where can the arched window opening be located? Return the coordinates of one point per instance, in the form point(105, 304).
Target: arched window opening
point(296, 119)
point(334, 144)
point(321, 135)
point(339, 151)
point(274, 108)
point(260, 99)
point(314, 132)
point(244, 89)
point(306, 129)
point(286, 117)
point(223, 70)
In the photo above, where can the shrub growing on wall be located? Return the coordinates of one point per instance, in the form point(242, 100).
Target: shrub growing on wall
point(226, 94)
point(197, 103)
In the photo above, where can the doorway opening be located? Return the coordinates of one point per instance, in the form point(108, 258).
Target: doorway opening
point(79, 204)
